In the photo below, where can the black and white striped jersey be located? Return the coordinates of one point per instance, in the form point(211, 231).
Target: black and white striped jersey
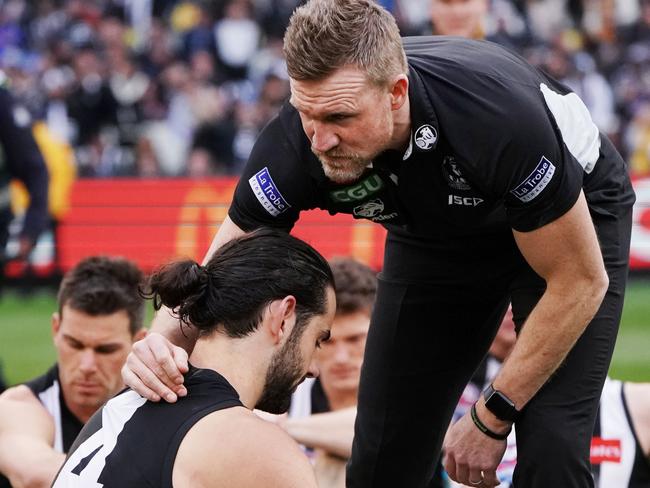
point(47, 389)
point(132, 443)
point(617, 459)
point(66, 426)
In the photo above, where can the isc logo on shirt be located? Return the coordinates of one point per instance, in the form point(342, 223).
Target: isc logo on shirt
point(267, 193)
point(535, 182)
point(464, 201)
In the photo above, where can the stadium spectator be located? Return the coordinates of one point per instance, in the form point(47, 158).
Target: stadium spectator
point(100, 314)
point(465, 227)
point(264, 303)
point(20, 160)
point(637, 140)
point(464, 18)
point(236, 37)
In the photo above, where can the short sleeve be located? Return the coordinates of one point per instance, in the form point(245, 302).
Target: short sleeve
point(508, 142)
point(535, 173)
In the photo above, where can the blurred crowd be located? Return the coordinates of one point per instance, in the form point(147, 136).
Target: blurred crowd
point(181, 88)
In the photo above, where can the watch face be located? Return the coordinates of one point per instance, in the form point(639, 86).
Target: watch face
point(500, 405)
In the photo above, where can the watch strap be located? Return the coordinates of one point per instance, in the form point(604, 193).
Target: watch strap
point(485, 429)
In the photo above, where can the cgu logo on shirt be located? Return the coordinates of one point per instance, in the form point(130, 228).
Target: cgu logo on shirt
point(365, 188)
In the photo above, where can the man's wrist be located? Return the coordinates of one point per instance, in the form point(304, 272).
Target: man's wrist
point(490, 420)
point(500, 404)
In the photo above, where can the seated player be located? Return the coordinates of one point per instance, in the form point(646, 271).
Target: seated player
point(100, 314)
point(263, 304)
point(323, 411)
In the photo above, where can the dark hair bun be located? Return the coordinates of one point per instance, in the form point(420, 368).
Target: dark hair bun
point(178, 285)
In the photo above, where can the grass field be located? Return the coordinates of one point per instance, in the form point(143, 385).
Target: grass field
point(26, 346)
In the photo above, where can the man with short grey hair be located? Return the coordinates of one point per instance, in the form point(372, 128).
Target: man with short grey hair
point(494, 185)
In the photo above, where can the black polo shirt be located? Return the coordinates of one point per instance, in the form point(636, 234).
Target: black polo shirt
point(495, 145)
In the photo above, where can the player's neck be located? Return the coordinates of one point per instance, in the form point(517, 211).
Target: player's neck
point(235, 360)
point(81, 412)
point(340, 399)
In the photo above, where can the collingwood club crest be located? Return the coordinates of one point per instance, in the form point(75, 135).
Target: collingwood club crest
point(452, 174)
point(426, 137)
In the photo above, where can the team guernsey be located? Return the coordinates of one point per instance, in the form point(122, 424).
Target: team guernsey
point(617, 458)
point(459, 177)
point(132, 443)
point(47, 389)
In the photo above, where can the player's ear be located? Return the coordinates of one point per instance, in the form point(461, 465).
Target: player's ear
point(139, 334)
point(56, 323)
point(399, 91)
point(281, 318)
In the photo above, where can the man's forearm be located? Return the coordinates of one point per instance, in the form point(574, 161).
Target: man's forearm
point(331, 431)
point(550, 332)
point(28, 463)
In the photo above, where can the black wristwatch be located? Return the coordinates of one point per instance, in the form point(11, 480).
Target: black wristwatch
point(500, 405)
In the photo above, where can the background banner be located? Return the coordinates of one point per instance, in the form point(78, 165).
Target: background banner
point(153, 221)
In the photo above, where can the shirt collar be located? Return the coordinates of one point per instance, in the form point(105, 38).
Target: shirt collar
point(424, 122)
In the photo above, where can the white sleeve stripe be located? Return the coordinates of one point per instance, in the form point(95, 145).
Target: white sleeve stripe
point(579, 132)
point(50, 400)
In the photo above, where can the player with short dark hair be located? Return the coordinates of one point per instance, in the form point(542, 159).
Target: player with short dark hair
point(262, 305)
point(100, 314)
point(101, 285)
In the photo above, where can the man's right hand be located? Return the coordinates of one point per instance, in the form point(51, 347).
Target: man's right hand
point(155, 368)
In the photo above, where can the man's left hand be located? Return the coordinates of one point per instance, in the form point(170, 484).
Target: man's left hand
point(471, 457)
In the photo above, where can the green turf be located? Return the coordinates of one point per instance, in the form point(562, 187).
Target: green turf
point(632, 354)
point(26, 346)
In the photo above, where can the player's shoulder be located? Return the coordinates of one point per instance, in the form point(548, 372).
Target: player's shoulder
point(21, 410)
point(443, 51)
point(252, 452)
point(637, 398)
point(450, 64)
point(637, 395)
point(19, 393)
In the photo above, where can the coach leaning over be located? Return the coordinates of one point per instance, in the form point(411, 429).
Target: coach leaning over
point(494, 184)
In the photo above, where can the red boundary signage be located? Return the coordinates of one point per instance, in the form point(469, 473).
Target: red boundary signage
point(153, 221)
